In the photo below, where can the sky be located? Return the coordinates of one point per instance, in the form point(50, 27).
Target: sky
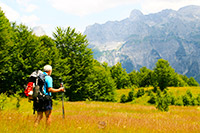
point(79, 14)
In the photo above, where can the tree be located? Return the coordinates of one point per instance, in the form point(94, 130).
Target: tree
point(100, 86)
point(163, 73)
point(73, 49)
point(6, 45)
point(146, 77)
point(192, 82)
point(120, 76)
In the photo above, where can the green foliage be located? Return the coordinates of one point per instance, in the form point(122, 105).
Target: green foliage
point(100, 85)
point(73, 49)
point(192, 82)
point(179, 101)
point(163, 73)
point(130, 96)
point(17, 96)
point(187, 98)
point(3, 98)
point(152, 99)
point(123, 99)
point(198, 99)
point(146, 77)
point(120, 76)
point(140, 92)
point(162, 101)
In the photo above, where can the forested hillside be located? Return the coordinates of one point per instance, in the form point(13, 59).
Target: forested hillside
point(22, 52)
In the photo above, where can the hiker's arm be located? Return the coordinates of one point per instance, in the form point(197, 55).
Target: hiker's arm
point(61, 89)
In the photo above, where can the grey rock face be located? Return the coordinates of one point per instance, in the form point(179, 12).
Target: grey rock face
point(141, 40)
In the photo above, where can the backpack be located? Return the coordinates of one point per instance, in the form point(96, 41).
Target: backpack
point(34, 88)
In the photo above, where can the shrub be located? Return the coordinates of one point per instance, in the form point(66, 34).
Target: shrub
point(3, 98)
point(162, 101)
point(198, 99)
point(123, 99)
point(140, 92)
point(187, 98)
point(179, 101)
point(130, 96)
point(152, 99)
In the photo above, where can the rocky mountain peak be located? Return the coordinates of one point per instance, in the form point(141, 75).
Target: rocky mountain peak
point(135, 14)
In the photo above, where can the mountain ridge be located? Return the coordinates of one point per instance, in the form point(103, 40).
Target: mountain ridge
point(140, 40)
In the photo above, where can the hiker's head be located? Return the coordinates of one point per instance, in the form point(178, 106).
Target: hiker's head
point(48, 69)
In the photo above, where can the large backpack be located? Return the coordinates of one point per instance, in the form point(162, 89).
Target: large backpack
point(35, 85)
point(34, 89)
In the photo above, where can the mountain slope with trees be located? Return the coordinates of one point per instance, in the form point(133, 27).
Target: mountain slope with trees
point(22, 52)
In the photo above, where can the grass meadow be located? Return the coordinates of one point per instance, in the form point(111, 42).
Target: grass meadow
point(90, 117)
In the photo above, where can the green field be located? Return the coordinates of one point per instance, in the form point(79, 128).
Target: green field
point(103, 117)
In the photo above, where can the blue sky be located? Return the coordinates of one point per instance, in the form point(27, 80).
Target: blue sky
point(79, 14)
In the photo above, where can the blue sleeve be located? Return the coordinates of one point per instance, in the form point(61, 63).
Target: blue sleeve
point(49, 82)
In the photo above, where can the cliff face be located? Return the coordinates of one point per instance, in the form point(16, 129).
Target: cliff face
point(141, 40)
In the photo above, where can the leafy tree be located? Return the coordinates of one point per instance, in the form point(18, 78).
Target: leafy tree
point(164, 73)
point(146, 77)
point(120, 76)
point(134, 78)
point(73, 49)
point(101, 86)
point(192, 82)
point(6, 45)
point(178, 81)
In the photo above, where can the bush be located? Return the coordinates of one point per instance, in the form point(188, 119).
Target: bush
point(187, 98)
point(140, 92)
point(123, 99)
point(152, 99)
point(179, 101)
point(3, 98)
point(162, 101)
point(130, 96)
point(198, 99)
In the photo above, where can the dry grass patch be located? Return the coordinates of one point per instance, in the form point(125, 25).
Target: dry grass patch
point(104, 117)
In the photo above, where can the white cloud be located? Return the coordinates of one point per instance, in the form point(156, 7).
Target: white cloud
point(26, 4)
point(30, 20)
point(154, 6)
point(31, 8)
point(85, 7)
point(11, 14)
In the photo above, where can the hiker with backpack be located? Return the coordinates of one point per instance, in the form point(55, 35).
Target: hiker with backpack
point(43, 103)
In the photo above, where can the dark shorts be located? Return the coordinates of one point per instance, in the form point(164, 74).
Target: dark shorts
point(42, 106)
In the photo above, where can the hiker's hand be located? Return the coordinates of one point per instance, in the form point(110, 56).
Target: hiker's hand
point(61, 89)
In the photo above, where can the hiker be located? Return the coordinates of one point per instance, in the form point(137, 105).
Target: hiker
point(47, 106)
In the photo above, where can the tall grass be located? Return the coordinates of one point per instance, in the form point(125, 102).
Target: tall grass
point(89, 117)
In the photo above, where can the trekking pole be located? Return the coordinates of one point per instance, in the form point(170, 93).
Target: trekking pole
point(63, 110)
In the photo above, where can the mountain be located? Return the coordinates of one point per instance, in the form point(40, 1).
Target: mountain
point(140, 40)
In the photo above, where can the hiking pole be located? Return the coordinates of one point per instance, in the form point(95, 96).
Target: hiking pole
point(63, 110)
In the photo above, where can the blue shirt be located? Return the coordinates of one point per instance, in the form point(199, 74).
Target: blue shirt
point(48, 84)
